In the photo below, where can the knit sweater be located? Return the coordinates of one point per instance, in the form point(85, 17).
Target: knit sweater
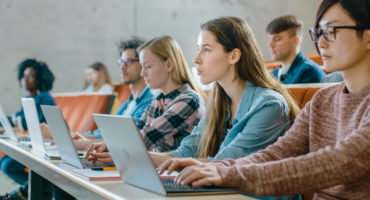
point(327, 150)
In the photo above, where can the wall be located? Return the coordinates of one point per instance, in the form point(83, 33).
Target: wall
point(69, 35)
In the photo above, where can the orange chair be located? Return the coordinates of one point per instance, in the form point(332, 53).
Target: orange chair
point(122, 93)
point(302, 95)
point(77, 109)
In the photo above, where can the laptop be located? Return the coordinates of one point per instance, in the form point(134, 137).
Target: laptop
point(34, 131)
point(133, 162)
point(62, 137)
point(9, 129)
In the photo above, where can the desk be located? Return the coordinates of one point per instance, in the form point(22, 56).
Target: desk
point(57, 173)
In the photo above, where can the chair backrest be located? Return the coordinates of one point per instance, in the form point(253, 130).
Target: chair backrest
point(122, 93)
point(303, 95)
point(77, 109)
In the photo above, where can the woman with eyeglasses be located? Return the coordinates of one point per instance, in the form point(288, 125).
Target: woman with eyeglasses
point(97, 78)
point(173, 114)
point(327, 150)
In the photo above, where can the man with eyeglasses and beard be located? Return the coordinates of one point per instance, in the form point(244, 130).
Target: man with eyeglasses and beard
point(285, 37)
point(140, 98)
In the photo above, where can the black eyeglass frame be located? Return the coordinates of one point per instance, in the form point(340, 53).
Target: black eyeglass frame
point(321, 31)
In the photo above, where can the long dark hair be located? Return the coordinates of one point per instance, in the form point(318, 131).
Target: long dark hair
point(233, 33)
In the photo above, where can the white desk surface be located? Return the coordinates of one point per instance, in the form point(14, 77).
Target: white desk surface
point(57, 172)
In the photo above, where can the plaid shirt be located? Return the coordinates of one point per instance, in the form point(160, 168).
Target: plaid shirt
point(170, 118)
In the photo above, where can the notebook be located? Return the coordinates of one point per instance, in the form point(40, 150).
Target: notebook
point(133, 162)
point(9, 129)
point(92, 175)
point(34, 131)
point(62, 137)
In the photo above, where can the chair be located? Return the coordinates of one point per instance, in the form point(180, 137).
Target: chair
point(122, 93)
point(77, 109)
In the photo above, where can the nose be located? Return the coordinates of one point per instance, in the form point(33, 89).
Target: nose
point(197, 59)
point(321, 42)
point(142, 73)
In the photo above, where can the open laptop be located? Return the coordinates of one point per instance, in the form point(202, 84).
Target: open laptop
point(8, 128)
point(62, 137)
point(34, 131)
point(133, 162)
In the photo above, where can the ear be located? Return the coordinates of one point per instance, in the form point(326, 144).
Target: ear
point(235, 56)
point(367, 38)
point(296, 40)
point(170, 64)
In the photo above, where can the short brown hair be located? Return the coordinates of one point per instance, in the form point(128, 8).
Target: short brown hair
point(283, 23)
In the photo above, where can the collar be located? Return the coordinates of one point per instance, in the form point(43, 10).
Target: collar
point(142, 95)
point(173, 94)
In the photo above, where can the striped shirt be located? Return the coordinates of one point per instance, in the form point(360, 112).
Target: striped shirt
point(170, 118)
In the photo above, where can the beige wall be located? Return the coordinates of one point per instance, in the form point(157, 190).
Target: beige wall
point(69, 35)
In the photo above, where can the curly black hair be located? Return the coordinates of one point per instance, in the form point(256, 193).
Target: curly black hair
point(132, 43)
point(44, 78)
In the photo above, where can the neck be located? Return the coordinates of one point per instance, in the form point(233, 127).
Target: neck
point(98, 85)
point(170, 86)
point(234, 89)
point(286, 63)
point(32, 93)
point(137, 88)
point(357, 77)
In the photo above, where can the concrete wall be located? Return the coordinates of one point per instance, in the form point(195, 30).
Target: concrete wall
point(69, 35)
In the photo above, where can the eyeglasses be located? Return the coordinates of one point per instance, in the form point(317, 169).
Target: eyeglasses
point(329, 32)
point(127, 62)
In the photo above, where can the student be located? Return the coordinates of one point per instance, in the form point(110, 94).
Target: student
point(37, 79)
point(327, 148)
point(174, 112)
point(140, 98)
point(285, 35)
point(248, 109)
point(97, 78)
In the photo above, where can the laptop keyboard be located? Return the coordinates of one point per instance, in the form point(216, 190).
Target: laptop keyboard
point(171, 186)
point(90, 164)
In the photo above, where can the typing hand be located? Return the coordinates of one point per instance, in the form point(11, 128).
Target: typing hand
point(176, 164)
point(203, 174)
point(98, 152)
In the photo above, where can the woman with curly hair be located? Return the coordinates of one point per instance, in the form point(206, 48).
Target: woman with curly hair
point(37, 79)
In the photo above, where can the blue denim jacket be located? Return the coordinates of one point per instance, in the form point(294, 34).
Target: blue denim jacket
point(142, 102)
point(262, 116)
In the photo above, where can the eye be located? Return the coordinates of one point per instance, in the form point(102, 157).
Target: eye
point(147, 67)
point(207, 50)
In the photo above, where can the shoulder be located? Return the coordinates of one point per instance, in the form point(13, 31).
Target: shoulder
point(326, 94)
point(44, 98)
point(106, 88)
point(268, 96)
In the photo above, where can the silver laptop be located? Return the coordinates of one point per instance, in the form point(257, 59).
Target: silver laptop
point(34, 131)
point(62, 137)
point(133, 162)
point(8, 128)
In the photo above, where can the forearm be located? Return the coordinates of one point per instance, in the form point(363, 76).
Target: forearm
point(317, 170)
point(159, 158)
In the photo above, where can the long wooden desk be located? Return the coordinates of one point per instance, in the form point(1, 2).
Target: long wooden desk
point(57, 172)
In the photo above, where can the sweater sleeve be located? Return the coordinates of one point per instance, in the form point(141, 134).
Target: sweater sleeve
point(344, 162)
point(293, 143)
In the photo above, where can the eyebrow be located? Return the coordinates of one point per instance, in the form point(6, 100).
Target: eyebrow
point(328, 23)
point(204, 45)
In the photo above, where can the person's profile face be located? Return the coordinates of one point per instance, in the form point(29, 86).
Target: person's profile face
point(28, 80)
point(154, 69)
point(348, 49)
point(212, 60)
point(281, 45)
point(130, 67)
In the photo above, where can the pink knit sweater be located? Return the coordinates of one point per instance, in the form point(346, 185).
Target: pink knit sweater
point(327, 150)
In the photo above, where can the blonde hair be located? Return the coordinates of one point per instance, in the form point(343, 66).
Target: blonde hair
point(232, 33)
point(100, 67)
point(166, 47)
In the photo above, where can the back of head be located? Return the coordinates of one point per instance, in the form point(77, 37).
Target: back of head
point(44, 78)
point(133, 43)
point(233, 33)
point(167, 48)
point(283, 23)
point(358, 10)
